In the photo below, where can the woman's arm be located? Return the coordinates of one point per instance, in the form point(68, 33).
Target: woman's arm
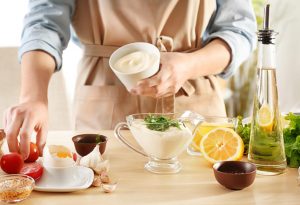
point(47, 28)
point(31, 114)
point(228, 41)
point(45, 34)
point(235, 23)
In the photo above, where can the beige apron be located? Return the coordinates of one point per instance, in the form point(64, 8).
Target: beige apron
point(102, 26)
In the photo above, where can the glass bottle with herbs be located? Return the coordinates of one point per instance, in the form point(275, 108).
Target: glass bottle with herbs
point(266, 147)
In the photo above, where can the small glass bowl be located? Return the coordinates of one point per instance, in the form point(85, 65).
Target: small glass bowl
point(15, 187)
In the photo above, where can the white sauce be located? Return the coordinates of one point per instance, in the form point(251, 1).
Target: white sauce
point(162, 145)
point(135, 62)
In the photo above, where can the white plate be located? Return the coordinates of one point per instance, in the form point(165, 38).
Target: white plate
point(83, 178)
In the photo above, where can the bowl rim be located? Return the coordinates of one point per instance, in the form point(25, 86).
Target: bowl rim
point(90, 134)
point(218, 164)
point(177, 116)
point(18, 176)
point(181, 116)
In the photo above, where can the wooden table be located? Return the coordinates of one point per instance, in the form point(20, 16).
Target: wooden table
point(195, 184)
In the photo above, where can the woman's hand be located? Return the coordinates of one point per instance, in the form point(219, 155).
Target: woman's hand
point(22, 120)
point(174, 71)
point(177, 68)
point(31, 114)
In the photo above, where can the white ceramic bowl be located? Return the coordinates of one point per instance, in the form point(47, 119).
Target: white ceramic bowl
point(130, 79)
point(65, 175)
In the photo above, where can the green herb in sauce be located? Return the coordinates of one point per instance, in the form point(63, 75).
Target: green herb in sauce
point(160, 123)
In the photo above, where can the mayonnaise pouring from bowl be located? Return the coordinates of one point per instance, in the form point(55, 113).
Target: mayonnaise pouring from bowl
point(135, 62)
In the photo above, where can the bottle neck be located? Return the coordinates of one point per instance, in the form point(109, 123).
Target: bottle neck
point(266, 56)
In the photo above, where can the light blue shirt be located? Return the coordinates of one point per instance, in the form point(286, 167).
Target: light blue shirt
point(47, 28)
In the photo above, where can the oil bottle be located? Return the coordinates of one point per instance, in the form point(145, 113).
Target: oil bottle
point(266, 147)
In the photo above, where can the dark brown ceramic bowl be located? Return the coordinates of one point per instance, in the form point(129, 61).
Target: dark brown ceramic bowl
point(85, 143)
point(235, 175)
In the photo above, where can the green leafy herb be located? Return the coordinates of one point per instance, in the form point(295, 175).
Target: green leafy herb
point(244, 131)
point(291, 135)
point(98, 139)
point(160, 123)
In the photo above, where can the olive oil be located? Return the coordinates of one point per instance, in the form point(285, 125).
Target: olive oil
point(266, 147)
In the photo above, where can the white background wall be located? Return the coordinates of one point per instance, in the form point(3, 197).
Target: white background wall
point(285, 17)
point(11, 21)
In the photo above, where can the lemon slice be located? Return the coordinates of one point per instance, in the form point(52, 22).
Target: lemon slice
point(222, 144)
point(200, 131)
point(203, 129)
point(265, 117)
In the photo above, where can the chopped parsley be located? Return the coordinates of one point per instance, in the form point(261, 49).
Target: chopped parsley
point(160, 123)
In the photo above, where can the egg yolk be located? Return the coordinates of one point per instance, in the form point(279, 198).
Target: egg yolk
point(63, 155)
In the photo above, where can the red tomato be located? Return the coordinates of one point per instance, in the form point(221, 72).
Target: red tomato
point(34, 153)
point(74, 156)
point(11, 163)
point(34, 170)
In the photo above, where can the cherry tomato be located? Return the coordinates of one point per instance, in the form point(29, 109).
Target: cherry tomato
point(34, 170)
point(34, 153)
point(74, 156)
point(11, 163)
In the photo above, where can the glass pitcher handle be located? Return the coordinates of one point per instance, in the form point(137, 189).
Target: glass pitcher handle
point(117, 133)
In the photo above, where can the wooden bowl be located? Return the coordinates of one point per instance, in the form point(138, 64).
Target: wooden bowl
point(85, 143)
point(235, 175)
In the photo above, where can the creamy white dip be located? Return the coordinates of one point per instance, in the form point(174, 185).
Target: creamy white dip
point(161, 145)
point(135, 62)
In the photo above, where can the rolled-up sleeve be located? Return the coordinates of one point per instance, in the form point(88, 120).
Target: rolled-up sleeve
point(47, 28)
point(234, 22)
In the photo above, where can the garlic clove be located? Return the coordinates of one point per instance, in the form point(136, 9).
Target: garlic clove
point(104, 177)
point(97, 181)
point(110, 187)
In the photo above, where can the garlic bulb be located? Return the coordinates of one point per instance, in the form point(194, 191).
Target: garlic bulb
point(95, 161)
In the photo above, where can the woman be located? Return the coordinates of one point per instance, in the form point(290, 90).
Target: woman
point(199, 39)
